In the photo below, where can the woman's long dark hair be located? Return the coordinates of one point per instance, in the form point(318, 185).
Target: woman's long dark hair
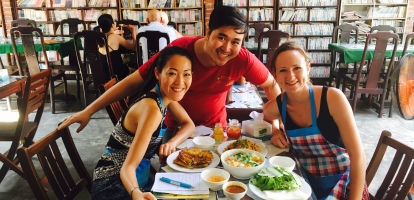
point(163, 57)
point(105, 22)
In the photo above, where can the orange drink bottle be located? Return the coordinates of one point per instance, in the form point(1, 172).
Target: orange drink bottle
point(234, 129)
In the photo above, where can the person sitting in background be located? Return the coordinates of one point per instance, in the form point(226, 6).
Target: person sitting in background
point(123, 169)
point(154, 24)
point(164, 21)
point(320, 125)
point(117, 45)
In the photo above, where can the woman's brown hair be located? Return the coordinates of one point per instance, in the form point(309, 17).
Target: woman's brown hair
point(289, 45)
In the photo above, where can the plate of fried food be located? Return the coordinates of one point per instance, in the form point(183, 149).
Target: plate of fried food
point(193, 160)
point(242, 144)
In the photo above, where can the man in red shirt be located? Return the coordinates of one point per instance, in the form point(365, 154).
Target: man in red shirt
point(218, 61)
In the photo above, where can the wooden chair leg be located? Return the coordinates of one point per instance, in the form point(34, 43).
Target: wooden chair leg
point(390, 111)
point(3, 171)
point(52, 95)
point(65, 89)
point(78, 84)
point(354, 102)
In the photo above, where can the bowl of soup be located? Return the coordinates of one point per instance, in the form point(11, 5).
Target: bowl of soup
point(215, 178)
point(242, 163)
point(234, 190)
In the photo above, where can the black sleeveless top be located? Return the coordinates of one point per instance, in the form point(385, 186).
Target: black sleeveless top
point(118, 66)
point(325, 121)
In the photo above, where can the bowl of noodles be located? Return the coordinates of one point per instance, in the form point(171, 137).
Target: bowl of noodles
point(242, 163)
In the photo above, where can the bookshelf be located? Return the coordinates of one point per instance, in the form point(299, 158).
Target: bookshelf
point(311, 23)
point(187, 14)
point(256, 11)
point(368, 13)
point(49, 13)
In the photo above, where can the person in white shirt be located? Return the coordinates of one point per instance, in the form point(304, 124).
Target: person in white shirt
point(164, 21)
point(154, 24)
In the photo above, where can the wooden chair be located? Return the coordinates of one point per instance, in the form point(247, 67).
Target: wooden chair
point(91, 60)
point(345, 36)
point(274, 37)
point(117, 108)
point(24, 22)
point(408, 40)
point(26, 35)
point(383, 28)
point(54, 166)
point(73, 24)
point(32, 98)
point(372, 79)
point(400, 176)
point(258, 29)
point(153, 38)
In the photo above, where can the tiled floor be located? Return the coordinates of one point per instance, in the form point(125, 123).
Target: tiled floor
point(92, 139)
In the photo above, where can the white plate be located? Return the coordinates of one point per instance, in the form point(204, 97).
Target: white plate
point(223, 145)
point(306, 189)
point(173, 156)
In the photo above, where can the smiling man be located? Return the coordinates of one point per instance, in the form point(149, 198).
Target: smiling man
point(219, 60)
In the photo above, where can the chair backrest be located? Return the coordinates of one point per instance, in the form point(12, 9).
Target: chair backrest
point(383, 28)
point(97, 29)
point(73, 26)
point(274, 37)
point(26, 35)
point(172, 24)
point(258, 29)
point(346, 30)
point(54, 166)
point(153, 42)
point(24, 22)
point(117, 108)
point(408, 39)
point(127, 33)
point(374, 70)
point(400, 176)
point(91, 57)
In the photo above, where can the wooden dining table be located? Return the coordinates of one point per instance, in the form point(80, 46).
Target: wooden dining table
point(11, 86)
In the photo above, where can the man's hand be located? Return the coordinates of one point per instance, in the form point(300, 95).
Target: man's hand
point(81, 117)
point(279, 138)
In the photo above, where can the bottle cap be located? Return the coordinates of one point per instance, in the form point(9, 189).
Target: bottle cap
point(233, 122)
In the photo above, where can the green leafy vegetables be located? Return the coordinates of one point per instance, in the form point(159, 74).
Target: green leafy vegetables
point(275, 178)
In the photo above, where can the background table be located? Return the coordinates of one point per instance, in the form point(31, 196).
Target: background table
point(64, 45)
point(353, 52)
point(245, 99)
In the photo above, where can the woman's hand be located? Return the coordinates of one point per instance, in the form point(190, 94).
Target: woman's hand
point(131, 28)
point(166, 149)
point(279, 139)
point(81, 117)
point(143, 195)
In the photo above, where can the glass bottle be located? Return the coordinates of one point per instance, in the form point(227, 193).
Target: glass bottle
point(218, 133)
point(234, 129)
